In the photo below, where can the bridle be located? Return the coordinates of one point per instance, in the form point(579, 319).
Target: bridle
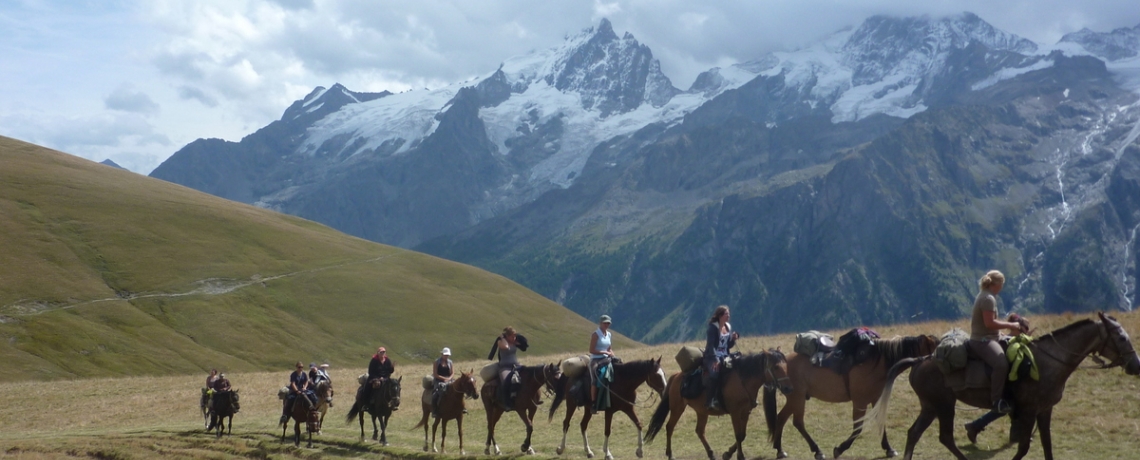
point(771, 360)
point(1105, 336)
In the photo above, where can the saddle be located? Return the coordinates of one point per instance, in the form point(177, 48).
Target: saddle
point(851, 350)
point(977, 373)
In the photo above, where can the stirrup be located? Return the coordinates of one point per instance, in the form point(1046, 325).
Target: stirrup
point(1003, 407)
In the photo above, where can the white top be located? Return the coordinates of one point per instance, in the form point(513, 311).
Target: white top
point(603, 344)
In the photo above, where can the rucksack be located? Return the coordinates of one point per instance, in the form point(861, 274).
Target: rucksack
point(951, 353)
point(807, 343)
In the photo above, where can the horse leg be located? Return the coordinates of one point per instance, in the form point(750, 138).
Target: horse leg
point(925, 418)
point(296, 433)
point(586, 416)
point(1044, 419)
point(434, 427)
point(1023, 433)
point(857, 412)
point(674, 415)
point(360, 416)
point(384, 429)
point(526, 448)
point(565, 428)
point(798, 422)
point(606, 443)
point(702, 422)
point(778, 434)
point(375, 428)
point(637, 424)
point(443, 438)
point(459, 428)
point(493, 414)
point(946, 432)
point(740, 431)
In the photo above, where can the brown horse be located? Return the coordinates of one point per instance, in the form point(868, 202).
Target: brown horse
point(225, 406)
point(1058, 354)
point(300, 413)
point(451, 407)
point(627, 378)
point(533, 379)
point(381, 398)
point(862, 386)
point(741, 385)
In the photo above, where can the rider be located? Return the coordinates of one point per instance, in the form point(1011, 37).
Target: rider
point(601, 354)
point(208, 392)
point(222, 383)
point(323, 375)
point(298, 386)
point(985, 329)
point(507, 344)
point(380, 367)
point(719, 339)
point(441, 371)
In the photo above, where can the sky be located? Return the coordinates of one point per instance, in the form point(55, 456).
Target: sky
point(134, 81)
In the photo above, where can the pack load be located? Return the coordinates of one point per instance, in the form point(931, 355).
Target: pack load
point(362, 379)
point(811, 342)
point(427, 382)
point(283, 393)
point(689, 358)
point(489, 372)
point(951, 353)
point(575, 366)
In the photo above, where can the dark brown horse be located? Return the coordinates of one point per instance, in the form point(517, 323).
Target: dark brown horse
point(225, 406)
point(533, 380)
point(862, 386)
point(623, 394)
point(741, 385)
point(1058, 354)
point(300, 413)
point(451, 407)
point(380, 399)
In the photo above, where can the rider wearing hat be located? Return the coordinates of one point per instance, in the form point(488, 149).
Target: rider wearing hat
point(442, 372)
point(601, 354)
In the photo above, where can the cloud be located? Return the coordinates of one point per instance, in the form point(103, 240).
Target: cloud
point(126, 99)
point(191, 93)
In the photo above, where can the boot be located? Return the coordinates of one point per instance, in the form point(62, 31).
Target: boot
point(435, 404)
point(972, 433)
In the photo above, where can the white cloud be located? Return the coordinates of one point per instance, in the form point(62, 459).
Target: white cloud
point(127, 99)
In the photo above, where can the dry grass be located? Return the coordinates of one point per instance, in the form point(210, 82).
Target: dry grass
point(146, 417)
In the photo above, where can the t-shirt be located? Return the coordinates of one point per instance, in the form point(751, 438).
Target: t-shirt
point(509, 355)
point(603, 344)
point(978, 330)
point(299, 379)
point(443, 367)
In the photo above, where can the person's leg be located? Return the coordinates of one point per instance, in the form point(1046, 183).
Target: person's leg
point(979, 425)
point(504, 387)
point(990, 352)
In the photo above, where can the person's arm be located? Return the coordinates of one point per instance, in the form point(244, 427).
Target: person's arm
point(293, 384)
point(994, 324)
point(503, 344)
point(435, 370)
point(594, 344)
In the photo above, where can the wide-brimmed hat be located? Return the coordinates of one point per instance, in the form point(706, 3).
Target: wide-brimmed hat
point(324, 366)
point(446, 351)
point(605, 319)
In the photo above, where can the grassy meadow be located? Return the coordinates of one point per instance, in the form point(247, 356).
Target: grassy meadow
point(106, 273)
point(149, 417)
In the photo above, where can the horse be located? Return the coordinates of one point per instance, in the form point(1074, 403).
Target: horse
point(862, 386)
point(380, 400)
point(324, 392)
point(628, 377)
point(299, 413)
point(225, 405)
point(451, 407)
point(1058, 354)
point(533, 379)
point(741, 385)
point(204, 404)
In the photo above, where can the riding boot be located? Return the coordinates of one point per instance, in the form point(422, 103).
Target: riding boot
point(435, 404)
point(505, 396)
point(714, 393)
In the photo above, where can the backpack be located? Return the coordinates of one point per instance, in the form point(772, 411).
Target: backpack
point(689, 358)
point(951, 353)
point(807, 343)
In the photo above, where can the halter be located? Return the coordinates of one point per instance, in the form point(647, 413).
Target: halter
point(773, 382)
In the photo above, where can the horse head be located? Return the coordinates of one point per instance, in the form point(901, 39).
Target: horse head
point(658, 381)
point(550, 374)
point(1118, 347)
point(393, 392)
point(776, 369)
point(466, 384)
point(927, 344)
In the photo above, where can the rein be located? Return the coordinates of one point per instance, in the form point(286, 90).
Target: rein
point(1104, 336)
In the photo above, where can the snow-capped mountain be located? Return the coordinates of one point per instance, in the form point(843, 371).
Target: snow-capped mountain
point(1119, 44)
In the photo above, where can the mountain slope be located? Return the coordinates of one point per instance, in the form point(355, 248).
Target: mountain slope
point(104, 272)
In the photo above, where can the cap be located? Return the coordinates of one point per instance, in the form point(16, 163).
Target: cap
point(312, 365)
point(606, 319)
point(325, 365)
point(222, 375)
point(381, 350)
point(446, 351)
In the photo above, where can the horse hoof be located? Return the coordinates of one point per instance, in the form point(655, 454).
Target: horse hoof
point(819, 456)
point(835, 452)
point(559, 450)
point(640, 453)
point(530, 451)
point(891, 453)
point(487, 451)
point(781, 454)
point(462, 453)
point(609, 456)
point(589, 454)
point(425, 448)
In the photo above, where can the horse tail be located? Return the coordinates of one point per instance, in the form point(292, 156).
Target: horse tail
point(770, 411)
point(559, 395)
point(875, 421)
point(352, 413)
point(423, 421)
point(659, 415)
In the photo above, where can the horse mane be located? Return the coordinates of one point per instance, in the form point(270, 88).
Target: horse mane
point(640, 367)
point(754, 364)
point(1067, 329)
point(896, 349)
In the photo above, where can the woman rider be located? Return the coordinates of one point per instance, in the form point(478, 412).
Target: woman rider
point(508, 361)
point(298, 385)
point(985, 330)
point(441, 371)
point(719, 339)
point(601, 354)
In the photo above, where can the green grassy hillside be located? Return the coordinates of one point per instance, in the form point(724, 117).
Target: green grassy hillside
point(104, 272)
